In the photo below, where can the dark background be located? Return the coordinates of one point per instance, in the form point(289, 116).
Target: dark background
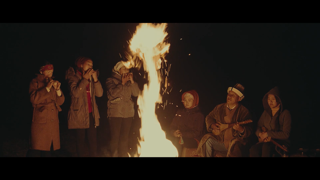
point(260, 56)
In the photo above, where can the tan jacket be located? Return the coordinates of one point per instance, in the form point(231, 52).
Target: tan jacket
point(120, 103)
point(78, 115)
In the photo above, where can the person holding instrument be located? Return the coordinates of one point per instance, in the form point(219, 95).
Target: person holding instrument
point(46, 98)
point(233, 141)
point(120, 88)
point(274, 124)
point(83, 114)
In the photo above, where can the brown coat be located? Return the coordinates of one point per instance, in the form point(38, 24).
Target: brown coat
point(45, 121)
point(217, 115)
point(78, 115)
point(120, 103)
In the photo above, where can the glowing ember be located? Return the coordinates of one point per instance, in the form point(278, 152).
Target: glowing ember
point(147, 43)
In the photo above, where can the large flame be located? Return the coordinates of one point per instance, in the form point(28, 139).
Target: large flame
point(148, 43)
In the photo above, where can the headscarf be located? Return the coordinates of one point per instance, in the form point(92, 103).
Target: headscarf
point(46, 67)
point(195, 97)
point(119, 65)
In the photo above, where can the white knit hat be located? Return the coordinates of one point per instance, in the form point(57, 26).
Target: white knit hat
point(238, 89)
point(118, 66)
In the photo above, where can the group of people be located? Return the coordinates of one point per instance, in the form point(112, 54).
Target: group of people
point(83, 116)
point(213, 135)
point(227, 130)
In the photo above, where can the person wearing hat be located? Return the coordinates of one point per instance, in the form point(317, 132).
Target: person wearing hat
point(120, 88)
point(46, 98)
point(230, 142)
point(83, 115)
point(188, 123)
point(277, 122)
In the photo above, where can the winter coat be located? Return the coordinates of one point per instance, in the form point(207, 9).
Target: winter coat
point(190, 122)
point(217, 115)
point(45, 120)
point(120, 103)
point(278, 126)
point(78, 115)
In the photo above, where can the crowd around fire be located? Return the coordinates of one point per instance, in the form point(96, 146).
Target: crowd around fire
point(226, 131)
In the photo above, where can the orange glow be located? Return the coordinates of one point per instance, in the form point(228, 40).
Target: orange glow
point(148, 43)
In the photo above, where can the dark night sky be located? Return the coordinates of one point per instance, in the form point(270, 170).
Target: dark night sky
point(258, 55)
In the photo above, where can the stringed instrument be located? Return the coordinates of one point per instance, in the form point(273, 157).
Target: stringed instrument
point(229, 125)
point(268, 139)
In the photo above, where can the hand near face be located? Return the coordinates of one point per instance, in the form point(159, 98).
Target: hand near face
point(50, 83)
point(125, 78)
point(87, 74)
point(56, 85)
point(130, 76)
point(94, 75)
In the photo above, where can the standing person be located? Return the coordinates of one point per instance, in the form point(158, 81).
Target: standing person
point(277, 122)
point(46, 98)
point(83, 113)
point(188, 123)
point(120, 88)
point(231, 142)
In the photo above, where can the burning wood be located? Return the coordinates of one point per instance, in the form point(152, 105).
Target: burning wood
point(148, 43)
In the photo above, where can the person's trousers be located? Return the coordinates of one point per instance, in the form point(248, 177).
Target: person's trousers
point(87, 136)
point(187, 143)
point(263, 149)
point(119, 131)
point(39, 153)
point(213, 145)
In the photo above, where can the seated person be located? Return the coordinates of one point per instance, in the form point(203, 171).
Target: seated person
point(188, 123)
point(277, 122)
point(230, 142)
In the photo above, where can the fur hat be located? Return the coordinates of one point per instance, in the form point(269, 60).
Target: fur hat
point(238, 89)
point(119, 65)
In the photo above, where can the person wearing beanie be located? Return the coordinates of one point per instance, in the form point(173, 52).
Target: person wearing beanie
point(276, 120)
point(46, 98)
point(230, 142)
point(120, 88)
point(83, 115)
point(188, 123)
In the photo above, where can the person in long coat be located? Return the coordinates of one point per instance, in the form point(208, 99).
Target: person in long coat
point(46, 98)
point(83, 114)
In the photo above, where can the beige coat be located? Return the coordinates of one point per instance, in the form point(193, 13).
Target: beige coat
point(45, 121)
point(78, 115)
point(120, 103)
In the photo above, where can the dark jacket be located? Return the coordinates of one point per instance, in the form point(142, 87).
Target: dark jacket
point(78, 115)
point(120, 103)
point(45, 120)
point(278, 126)
point(190, 122)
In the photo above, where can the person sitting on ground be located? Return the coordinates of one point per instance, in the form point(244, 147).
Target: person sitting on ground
point(188, 124)
point(230, 142)
point(277, 122)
